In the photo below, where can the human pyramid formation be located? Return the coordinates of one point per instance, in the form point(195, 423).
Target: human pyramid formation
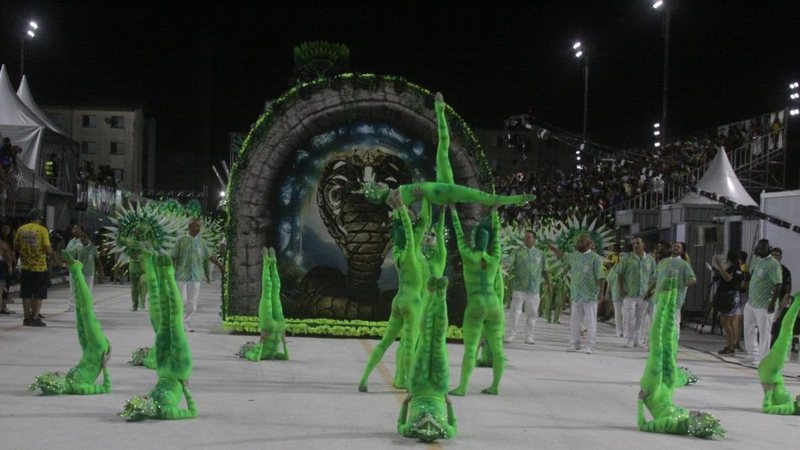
point(418, 316)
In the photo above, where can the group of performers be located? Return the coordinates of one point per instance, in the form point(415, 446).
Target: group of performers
point(418, 311)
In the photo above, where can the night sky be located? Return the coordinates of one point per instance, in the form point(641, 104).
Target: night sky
point(206, 69)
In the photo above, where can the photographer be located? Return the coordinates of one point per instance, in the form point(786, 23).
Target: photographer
point(727, 299)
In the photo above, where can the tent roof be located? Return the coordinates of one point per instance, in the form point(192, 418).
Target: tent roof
point(12, 111)
point(24, 94)
point(720, 179)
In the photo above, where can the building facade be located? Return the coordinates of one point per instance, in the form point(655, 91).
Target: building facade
point(114, 135)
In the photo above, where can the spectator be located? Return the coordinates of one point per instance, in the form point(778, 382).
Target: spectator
point(32, 242)
point(729, 279)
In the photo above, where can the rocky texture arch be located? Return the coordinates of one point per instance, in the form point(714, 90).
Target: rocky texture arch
point(292, 120)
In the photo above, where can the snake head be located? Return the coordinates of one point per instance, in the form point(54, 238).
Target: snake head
point(427, 428)
point(704, 425)
point(375, 193)
point(50, 383)
point(139, 407)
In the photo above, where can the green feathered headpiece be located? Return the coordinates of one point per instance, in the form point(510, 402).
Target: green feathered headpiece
point(143, 229)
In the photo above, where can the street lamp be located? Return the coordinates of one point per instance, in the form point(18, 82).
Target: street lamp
point(30, 33)
point(658, 4)
point(581, 53)
point(794, 98)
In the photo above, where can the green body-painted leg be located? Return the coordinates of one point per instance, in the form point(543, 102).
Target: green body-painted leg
point(777, 400)
point(658, 380)
point(146, 356)
point(270, 315)
point(427, 413)
point(139, 284)
point(95, 348)
point(444, 171)
point(173, 356)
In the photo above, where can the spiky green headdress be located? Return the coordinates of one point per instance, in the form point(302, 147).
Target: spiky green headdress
point(573, 227)
point(143, 229)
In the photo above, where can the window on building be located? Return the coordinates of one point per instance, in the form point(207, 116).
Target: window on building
point(88, 147)
point(119, 174)
point(56, 118)
point(117, 122)
point(89, 121)
point(117, 148)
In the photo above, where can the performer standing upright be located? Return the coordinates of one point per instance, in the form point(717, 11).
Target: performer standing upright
point(528, 268)
point(634, 273)
point(585, 287)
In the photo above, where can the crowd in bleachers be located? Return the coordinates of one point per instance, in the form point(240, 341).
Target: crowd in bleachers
point(595, 189)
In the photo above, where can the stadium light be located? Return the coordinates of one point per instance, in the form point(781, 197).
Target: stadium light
point(657, 144)
point(656, 133)
point(657, 4)
point(794, 112)
point(31, 33)
point(578, 54)
point(794, 85)
point(656, 125)
point(794, 96)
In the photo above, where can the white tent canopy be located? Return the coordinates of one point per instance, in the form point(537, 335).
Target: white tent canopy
point(19, 123)
point(24, 94)
point(720, 179)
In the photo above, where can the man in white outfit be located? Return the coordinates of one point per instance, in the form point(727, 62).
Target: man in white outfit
point(634, 272)
point(766, 279)
point(191, 253)
point(586, 280)
point(81, 248)
point(528, 268)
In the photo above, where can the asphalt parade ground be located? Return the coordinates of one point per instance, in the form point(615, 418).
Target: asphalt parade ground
point(549, 398)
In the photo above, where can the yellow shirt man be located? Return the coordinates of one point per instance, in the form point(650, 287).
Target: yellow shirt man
point(32, 241)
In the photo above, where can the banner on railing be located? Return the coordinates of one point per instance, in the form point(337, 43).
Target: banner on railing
point(749, 210)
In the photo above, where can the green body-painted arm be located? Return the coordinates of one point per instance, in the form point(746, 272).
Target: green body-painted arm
point(95, 348)
point(777, 400)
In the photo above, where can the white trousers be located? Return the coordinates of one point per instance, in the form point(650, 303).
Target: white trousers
point(634, 313)
point(190, 290)
point(531, 302)
point(757, 332)
point(89, 281)
point(585, 312)
point(619, 319)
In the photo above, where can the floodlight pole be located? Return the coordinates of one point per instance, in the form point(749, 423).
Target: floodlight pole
point(664, 100)
point(585, 95)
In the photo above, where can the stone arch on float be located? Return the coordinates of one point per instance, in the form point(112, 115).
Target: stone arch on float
point(294, 119)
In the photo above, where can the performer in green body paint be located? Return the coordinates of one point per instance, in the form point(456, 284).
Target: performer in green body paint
point(270, 315)
point(173, 356)
point(407, 303)
point(427, 414)
point(658, 384)
point(484, 311)
point(777, 400)
point(94, 346)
